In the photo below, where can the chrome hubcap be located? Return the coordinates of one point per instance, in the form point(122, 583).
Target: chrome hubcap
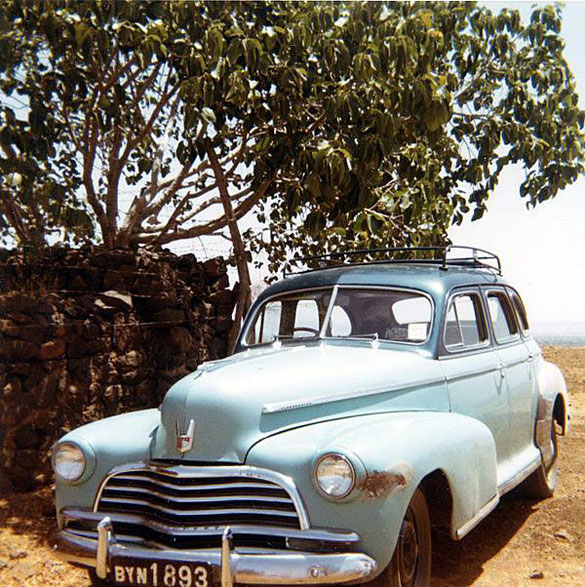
point(408, 551)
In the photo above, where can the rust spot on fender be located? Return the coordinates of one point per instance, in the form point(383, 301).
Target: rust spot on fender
point(383, 483)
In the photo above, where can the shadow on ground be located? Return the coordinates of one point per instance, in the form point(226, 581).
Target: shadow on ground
point(32, 514)
point(454, 563)
point(461, 563)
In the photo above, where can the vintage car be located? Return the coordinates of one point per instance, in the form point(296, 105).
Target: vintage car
point(365, 404)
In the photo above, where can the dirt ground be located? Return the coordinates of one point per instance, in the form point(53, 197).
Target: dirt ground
point(522, 542)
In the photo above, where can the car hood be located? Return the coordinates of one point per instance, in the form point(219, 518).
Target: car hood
point(237, 401)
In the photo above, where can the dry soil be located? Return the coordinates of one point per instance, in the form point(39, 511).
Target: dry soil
point(522, 542)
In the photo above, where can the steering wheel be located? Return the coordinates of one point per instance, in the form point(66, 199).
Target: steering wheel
point(305, 329)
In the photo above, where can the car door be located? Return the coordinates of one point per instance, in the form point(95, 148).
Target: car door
point(473, 371)
point(515, 359)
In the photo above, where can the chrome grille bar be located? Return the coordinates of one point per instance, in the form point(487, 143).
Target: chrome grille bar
point(191, 498)
point(113, 488)
point(195, 513)
point(201, 488)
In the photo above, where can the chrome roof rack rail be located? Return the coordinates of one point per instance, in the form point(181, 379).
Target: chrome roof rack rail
point(476, 258)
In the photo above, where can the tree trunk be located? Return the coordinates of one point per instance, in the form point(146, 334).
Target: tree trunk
point(245, 290)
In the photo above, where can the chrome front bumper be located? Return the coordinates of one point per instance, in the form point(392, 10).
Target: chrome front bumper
point(270, 566)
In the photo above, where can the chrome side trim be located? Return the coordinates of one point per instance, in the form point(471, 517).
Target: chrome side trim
point(187, 471)
point(337, 397)
point(519, 477)
point(517, 362)
point(473, 373)
point(481, 514)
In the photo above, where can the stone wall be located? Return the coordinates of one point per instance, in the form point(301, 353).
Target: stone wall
point(88, 333)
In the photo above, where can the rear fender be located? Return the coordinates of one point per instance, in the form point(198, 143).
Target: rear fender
point(553, 400)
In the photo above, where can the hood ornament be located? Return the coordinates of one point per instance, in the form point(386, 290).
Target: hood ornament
point(185, 441)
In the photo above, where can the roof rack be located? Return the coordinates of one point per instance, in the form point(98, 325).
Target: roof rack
point(478, 258)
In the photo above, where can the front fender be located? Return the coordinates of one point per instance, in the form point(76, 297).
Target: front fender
point(114, 441)
point(393, 453)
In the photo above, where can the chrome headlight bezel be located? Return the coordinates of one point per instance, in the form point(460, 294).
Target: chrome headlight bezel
point(81, 461)
point(351, 476)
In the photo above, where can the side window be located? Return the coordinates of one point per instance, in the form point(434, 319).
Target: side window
point(465, 326)
point(502, 317)
point(267, 324)
point(520, 310)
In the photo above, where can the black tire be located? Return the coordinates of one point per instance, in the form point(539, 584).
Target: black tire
point(541, 484)
point(411, 562)
point(95, 580)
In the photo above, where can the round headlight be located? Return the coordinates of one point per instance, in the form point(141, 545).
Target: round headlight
point(335, 475)
point(68, 461)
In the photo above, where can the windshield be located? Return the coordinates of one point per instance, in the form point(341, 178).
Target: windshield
point(345, 312)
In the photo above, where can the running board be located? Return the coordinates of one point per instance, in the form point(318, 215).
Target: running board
point(492, 503)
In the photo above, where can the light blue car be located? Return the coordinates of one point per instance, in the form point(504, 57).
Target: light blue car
point(365, 404)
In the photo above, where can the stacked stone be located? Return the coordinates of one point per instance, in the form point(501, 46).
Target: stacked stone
point(88, 333)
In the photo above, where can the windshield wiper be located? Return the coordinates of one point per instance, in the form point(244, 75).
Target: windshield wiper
point(287, 337)
point(369, 335)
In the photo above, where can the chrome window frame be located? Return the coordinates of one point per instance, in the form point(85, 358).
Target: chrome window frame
point(515, 337)
point(249, 323)
point(511, 293)
point(334, 291)
point(448, 350)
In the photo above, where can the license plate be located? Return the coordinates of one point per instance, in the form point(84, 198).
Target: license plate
point(153, 573)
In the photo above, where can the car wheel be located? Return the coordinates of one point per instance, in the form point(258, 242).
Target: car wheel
point(411, 562)
point(541, 484)
point(95, 580)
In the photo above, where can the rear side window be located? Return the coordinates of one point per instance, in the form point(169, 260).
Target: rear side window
point(520, 310)
point(465, 326)
point(502, 317)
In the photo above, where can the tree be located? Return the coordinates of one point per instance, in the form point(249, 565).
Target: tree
point(339, 124)
point(420, 107)
point(124, 97)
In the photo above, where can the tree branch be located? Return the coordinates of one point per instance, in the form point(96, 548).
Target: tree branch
point(209, 227)
point(114, 172)
point(88, 163)
point(133, 143)
point(13, 215)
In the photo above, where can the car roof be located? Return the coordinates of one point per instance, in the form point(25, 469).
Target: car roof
point(433, 279)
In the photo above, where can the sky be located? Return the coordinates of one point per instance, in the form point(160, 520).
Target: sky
point(542, 249)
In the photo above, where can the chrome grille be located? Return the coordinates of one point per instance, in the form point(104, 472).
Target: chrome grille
point(188, 500)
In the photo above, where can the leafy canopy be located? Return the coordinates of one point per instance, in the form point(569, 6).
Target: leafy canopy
point(339, 124)
point(420, 107)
